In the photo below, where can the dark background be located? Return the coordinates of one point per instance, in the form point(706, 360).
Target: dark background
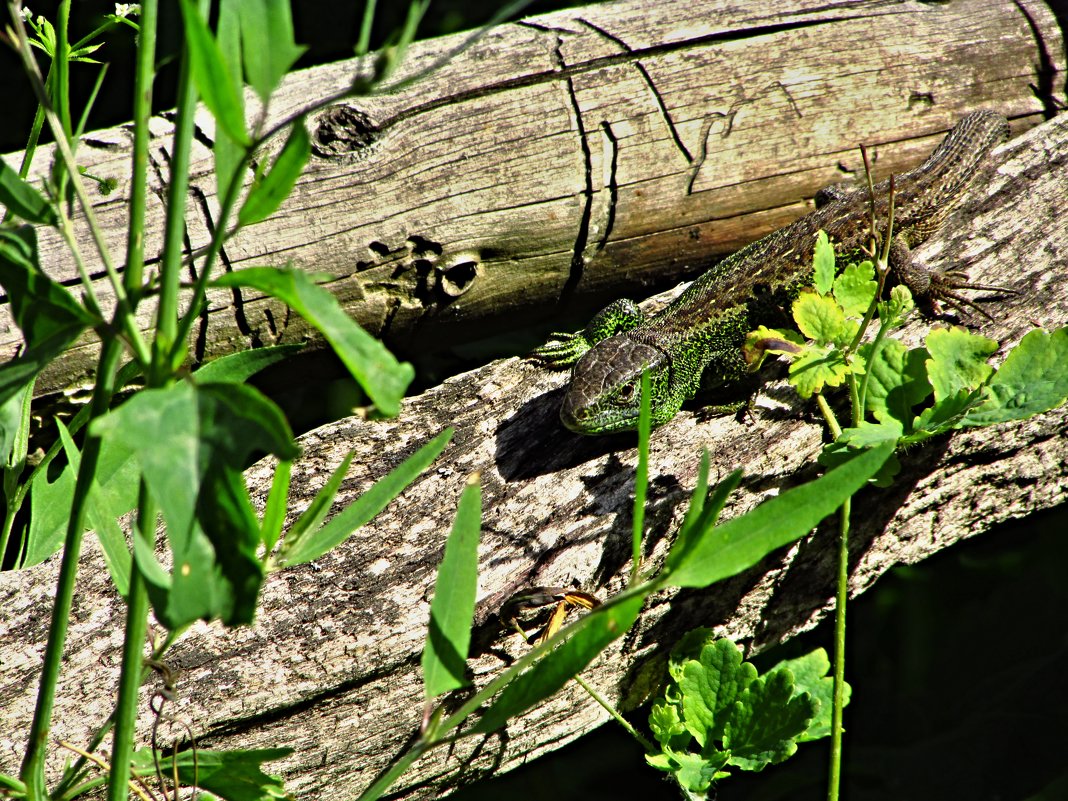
point(957, 665)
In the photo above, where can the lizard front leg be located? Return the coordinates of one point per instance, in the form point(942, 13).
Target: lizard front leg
point(615, 318)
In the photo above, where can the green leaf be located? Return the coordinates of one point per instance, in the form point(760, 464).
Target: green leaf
point(23, 200)
point(763, 726)
point(816, 368)
point(239, 367)
point(231, 775)
point(731, 547)
point(12, 411)
point(267, 43)
point(374, 368)
point(113, 494)
point(855, 288)
point(268, 193)
point(453, 606)
point(823, 264)
point(945, 415)
point(50, 502)
point(592, 634)
point(1033, 379)
point(958, 360)
point(710, 685)
point(349, 519)
point(45, 312)
point(274, 512)
point(312, 517)
point(894, 312)
point(897, 381)
point(810, 676)
point(213, 79)
point(868, 435)
point(818, 317)
point(191, 443)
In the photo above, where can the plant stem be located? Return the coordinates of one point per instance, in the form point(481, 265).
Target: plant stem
point(841, 597)
point(618, 718)
point(132, 658)
point(33, 765)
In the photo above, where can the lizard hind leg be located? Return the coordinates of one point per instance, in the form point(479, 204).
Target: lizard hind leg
point(564, 350)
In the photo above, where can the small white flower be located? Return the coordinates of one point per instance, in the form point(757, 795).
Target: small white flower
point(127, 9)
point(26, 14)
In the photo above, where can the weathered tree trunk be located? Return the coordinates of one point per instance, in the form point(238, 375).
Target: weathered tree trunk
point(331, 667)
point(592, 151)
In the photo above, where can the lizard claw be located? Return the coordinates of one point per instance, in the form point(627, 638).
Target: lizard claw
point(946, 286)
point(565, 351)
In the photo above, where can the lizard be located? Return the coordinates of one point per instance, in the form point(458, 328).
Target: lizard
point(696, 341)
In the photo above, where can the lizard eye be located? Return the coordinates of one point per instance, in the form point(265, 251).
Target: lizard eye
point(627, 394)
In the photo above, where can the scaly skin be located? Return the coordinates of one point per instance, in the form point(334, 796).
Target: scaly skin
point(696, 341)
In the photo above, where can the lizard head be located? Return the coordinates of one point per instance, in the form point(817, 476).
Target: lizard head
point(604, 395)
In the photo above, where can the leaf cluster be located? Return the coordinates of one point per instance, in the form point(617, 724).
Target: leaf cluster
point(717, 712)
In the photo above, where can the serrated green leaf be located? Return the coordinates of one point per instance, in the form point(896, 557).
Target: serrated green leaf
point(818, 317)
point(897, 382)
point(765, 340)
point(816, 368)
point(731, 547)
point(693, 772)
point(823, 264)
point(592, 635)
point(763, 726)
point(374, 368)
point(214, 79)
point(236, 368)
point(346, 522)
point(22, 200)
point(957, 360)
point(267, 43)
point(710, 686)
point(452, 609)
point(665, 723)
point(1033, 379)
point(855, 288)
point(268, 193)
point(945, 415)
point(810, 675)
point(894, 312)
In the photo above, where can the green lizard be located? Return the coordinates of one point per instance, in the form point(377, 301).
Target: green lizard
point(696, 341)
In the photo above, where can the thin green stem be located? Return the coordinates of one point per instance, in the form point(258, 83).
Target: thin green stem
point(363, 43)
point(174, 235)
point(641, 478)
point(395, 771)
point(841, 598)
point(133, 646)
point(144, 72)
point(33, 764)
point(618, 718)
point(61, 74)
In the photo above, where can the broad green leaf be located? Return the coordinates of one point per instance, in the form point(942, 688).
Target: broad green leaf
point(191, 443)
point(591, 635)
point(855, 288)
point(810, 674)
point(763, 726)
point(823, 264)
point(11, 417)
point(349, 519)
point(845, 448)
point(897, 381)
point(214, 80)
point(228, 152)
point(268, 193)
point(374, 368)
point(1033, 379)
point(731, 547)
point(818, 317)
point(239, 367)
point(453, 606)
point(267, 43)
point(958, 360)
point(23, 200)
point(50, 504)
point(868, 435)
point(710, 685)
point(817, 367)
point(230, 775)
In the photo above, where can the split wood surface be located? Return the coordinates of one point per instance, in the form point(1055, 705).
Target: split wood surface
point(331, 668)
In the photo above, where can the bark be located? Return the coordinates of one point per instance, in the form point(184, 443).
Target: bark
point(331, 667)
point(589, 152)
